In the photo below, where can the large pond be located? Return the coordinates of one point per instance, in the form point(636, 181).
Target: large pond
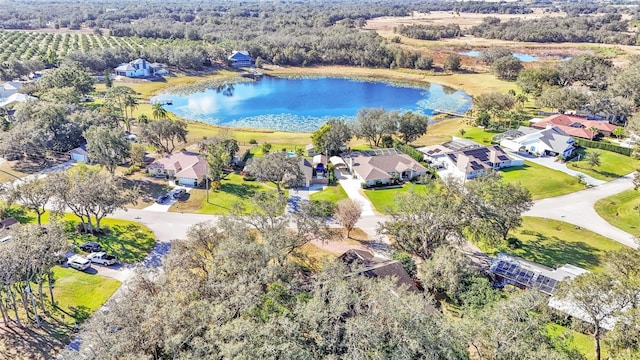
point(306, 104)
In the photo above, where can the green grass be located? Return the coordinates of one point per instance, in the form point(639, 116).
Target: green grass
point(565, 338)
point(622, 211)
point(478, 135)
point(129, 241)
point(234, 190)
point(613, 165)
point(541, 181)
point(555, 243)
point(333, 193)
point(384, 200)
point(78, 294)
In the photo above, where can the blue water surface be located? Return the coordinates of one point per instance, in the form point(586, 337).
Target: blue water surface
point(306, 104)
point(520, 56)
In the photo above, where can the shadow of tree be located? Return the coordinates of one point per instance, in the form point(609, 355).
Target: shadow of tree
point(240, 190)
point(127, 242)
point(80, 313)
point(555, 252)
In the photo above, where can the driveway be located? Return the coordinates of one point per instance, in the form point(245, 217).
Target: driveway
point(165, 206)
point(578, 208)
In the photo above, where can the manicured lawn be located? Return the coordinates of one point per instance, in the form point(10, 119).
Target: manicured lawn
point(478, 135)
point(333, 193)
point(384, 200)
point(622, 211)
point(541, 181)
point(78, 294)
point(234, 190)
point(555, 243)
point(570, 339)
point(613, 165)
point(129, 241)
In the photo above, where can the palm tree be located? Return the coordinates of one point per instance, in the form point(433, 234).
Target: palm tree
point(159, 112)
point(592, 158)
point(594, 131)
point(131, 103)
point(143, 119)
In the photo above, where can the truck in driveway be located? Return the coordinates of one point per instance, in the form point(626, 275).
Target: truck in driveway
point(102, 258)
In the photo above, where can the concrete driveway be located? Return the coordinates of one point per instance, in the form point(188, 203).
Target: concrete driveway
point(165, 206)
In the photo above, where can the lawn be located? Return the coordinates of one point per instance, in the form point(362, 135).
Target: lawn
point(234, 191)
point(541, 181)
point(622, 211)
point(613, 165)
point(566, 338)
point(78, 294)
point(384, 200)
point(332, 193)
point(129, 241)
point(555, 243)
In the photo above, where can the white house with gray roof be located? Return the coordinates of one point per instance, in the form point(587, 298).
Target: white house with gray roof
point(140, 68)
point(547, 142)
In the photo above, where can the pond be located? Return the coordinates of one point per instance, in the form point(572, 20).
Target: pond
point(520, 56)
point(305, 104)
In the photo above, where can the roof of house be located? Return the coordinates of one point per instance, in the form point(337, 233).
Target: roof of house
point(434, 150)
point(575, 125)
point(240, 56)
point(554, 137)
point(366, 263)
point(7, 223)
point(379, 164)
point(319, 159)
point(80, 150)
point(478, 158)
point(16, 98)
point(307, 168)
point(196, 171)
point(180, 162)
point(12, 85)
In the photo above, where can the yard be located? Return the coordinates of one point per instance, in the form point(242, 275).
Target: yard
point(622, 211)
point(541, 181)
point(233, 191)
point(332, 193)
point(613, 165)
point(129, 241)
point(553, 243)
point(384, 200)
point(570, 339)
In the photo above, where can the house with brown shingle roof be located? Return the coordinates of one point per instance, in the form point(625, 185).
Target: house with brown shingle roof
point(576, 126)
point(382, 166)
point(187, 168)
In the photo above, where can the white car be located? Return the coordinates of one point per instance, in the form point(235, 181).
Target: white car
point(79, 262)
point(102, 258)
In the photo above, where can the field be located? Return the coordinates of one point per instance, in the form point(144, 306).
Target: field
point(542, 182)
point(555, 243)
point(622, 211)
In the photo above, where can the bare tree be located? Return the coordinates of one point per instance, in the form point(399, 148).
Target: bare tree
point(347, 213)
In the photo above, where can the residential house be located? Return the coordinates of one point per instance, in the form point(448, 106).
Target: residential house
point(5, 228)
point(9, 88)
point(187, 168)
point(140, 68)
point(471, 163)
point(307, 170)
point(80, 154)
point(14, 99)
point(547, 142)
point(382, 166)
point(577, 126)
point(436, 154)
point(362, 262)
point(240, 59)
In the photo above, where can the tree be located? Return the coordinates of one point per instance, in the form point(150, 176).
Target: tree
point(562, 99)
point(592, 71)
point(108, 83)
point(374, 123)
point(483, 118)
point(164, 133)
point(618, 132)
point(158, 111)
point(452, 63)
point(347, 214)
point(71, 74)
point(33, 193)
point(120, 97)
point(493, 101)
point(594, 295)
point(636, 180)
point(592, 158)
point(331, 137)
point(107, 146)
point(494, 53)
point(507, 67)
point(535, 80)
point(137, 154)
point(218, 156)
point(277, 168)
point(412, 126)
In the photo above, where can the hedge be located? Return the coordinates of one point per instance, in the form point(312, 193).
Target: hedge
point(410, 150)
point(604, 146)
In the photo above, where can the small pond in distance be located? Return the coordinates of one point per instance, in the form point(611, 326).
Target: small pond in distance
point(520, 56)
point(305, 104)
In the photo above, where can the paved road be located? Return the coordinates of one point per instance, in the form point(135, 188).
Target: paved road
point(578, 209)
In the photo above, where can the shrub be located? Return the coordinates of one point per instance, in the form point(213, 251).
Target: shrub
point(604, 146)
point(253, 141)
point(514, 243)
point(322, 208)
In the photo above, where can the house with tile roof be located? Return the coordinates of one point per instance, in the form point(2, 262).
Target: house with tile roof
point(471, 163)
point(382, 166)
point(187, 168)
point(546, 142)
point(576, 126)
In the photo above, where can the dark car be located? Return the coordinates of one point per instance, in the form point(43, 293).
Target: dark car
point(179, 193)
point(162, 199)
point(91, 246)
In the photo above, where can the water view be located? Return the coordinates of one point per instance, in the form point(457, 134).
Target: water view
point(306, 104)
point(520, 56)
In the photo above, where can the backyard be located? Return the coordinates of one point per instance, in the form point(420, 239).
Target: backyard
point(622, 211)
point(541, 181)
point(555, 243)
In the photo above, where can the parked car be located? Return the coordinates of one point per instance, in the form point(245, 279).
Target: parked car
point(91, 246)
point(162, 199)
point(79, 262)
point(102, 258)
point(179, 193)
